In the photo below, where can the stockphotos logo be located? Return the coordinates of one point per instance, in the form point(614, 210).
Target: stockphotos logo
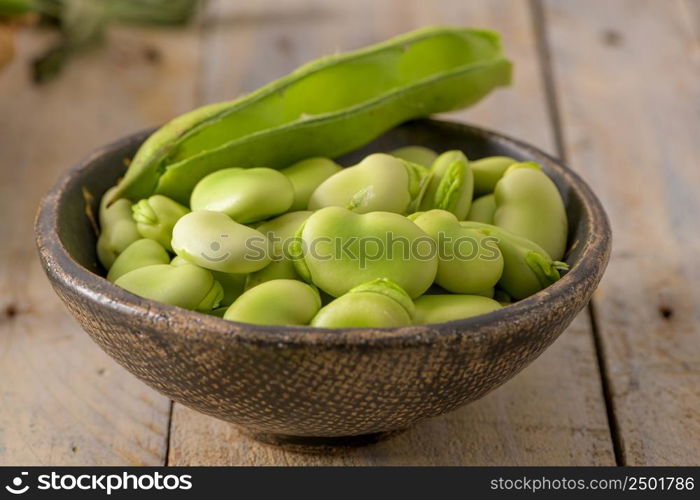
point(17, 486)
point(106, 483)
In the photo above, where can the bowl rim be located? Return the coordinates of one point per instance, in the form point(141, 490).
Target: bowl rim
point(60, 266)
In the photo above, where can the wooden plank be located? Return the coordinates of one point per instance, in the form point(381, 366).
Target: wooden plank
point(627, 74)
point(62, 400)
point(550, 414)
point(690, 14)
point(553, 412)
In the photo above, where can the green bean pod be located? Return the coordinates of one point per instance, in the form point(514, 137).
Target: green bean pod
point(451, 186)
point(117, 230)
point(140, 253)
point(482, 209)
point(419, 155)
point(527, 267)
point(326, 108)
point(528, 204)
point(379, 182)
point(187, 286)
point(306, 176)
point(488, 171)
point(380, 303)
point(155, 218)
point(276, 302)
point(441, 308)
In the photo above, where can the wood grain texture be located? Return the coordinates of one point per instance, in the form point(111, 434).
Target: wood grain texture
point(553, 412)
point(629, 94)
point(63, 401)
point(538, 418)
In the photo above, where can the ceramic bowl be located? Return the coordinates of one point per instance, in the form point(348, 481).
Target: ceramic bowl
point(297, 385)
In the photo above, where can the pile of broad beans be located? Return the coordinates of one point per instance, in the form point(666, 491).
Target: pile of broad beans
point(236, 209)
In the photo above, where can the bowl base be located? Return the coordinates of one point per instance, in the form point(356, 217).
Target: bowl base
point(317, 445)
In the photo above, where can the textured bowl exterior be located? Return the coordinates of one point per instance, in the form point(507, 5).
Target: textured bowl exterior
point(299, 381)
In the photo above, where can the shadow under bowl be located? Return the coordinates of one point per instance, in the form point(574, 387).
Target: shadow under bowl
point(298, 385)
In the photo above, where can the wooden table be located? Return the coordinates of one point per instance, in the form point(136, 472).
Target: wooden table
point(611, 86)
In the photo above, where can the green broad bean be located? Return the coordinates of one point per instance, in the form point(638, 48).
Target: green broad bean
point(275, 270)
point(380, 182)
point(441, 308)
point(187, 286)
point(380, 303)
point(117, 230)
point(280, 232)
point(502, 297)
point(180, 261)
point(528, 204)
point(218, 312)
point(213, 241)
point(488, 292)
point(326, 108)
point(452, 185)
point(233, 284)
point(527, 267)
point(105, 211)
point(306, 176)
point(488, 171)
point(337, 249)
point(482, 209)
point(438, 290)
point(156, 216)
point(140, 253)
point(469, 261)
point(419, 155)
point(325, 297)
point(244, 194)
point(276, 302)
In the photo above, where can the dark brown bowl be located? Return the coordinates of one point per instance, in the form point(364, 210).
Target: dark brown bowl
point(297, 383)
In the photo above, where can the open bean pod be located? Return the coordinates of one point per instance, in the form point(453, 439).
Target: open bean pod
point(325, 108)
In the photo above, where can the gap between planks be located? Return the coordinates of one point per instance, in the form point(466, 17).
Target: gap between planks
point(539, 20)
